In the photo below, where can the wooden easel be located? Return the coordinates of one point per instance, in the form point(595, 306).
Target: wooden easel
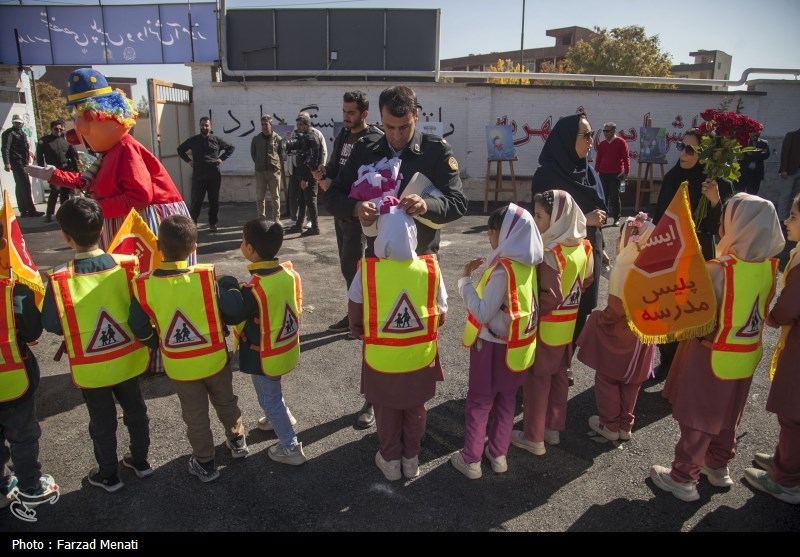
point(497, 187)
point(645, 183)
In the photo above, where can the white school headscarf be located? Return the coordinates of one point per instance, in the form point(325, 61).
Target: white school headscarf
point(752, 230)
point(629, 250)
point(567, 222)
point(397, 236)
point(519, 239)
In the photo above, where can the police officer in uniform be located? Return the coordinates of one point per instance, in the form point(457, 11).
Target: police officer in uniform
point(419, 153)
point(16, 155)
point(54, 149)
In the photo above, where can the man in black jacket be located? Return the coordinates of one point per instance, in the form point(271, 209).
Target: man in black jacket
point(55, 150)
point(208, 152)
point(16, 155)
point(752, 165)
point(421, 153)
point(349, 237)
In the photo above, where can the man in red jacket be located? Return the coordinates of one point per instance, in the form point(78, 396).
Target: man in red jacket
point(613, 164)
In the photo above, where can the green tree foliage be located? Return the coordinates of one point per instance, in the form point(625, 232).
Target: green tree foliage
point(50, 105)
point(142, 107)
point(621, 51)
point(508, 66)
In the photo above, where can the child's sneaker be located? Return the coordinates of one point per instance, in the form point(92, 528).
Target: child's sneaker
point(238, 446)
point(597, 427)
point(499, 463)
point(390, 468)
point(683, 491)
point(7, 485)
point(410, 466)
point(552, 436)
point(46, 491)
point(265, 425)
point(205, 471)
point(294, 456)
point(518, 440)
point(764, 460)
point(625, 435)
point(470, 470)
point(719, 477)
point(760, 480)
point(110, 484)
point(142, 470)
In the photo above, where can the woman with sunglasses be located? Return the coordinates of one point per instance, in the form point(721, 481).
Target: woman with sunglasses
point(689, 169)
point(563, 166)
point(716, 190)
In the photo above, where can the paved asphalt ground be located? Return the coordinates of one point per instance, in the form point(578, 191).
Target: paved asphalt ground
point(578, 486)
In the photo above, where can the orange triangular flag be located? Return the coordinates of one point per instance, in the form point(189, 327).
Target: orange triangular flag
point(134, 237)
point(668, 294)
point(15, 260)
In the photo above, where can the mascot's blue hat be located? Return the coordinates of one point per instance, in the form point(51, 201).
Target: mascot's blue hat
point(86, 83)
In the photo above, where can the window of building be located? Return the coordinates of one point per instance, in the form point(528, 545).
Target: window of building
point(719, 65)
point(566, 40)
point(12, 97)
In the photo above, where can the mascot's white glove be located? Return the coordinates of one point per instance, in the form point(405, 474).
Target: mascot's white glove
point(43, 172)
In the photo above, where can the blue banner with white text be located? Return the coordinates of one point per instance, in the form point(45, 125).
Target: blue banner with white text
point(86, 35)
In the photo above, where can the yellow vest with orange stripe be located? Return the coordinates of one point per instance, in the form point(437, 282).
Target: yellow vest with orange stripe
point(93, 309)
point(280, 301)
point(14, 380)
point(395, 293)
point(747, 291)
point(522, 297)
point(557, 327)
point(185, 309)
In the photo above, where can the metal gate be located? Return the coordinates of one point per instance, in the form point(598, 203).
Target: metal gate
point(172, 123)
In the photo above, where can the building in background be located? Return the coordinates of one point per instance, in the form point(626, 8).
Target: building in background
point(532, 58)
point(708, 64)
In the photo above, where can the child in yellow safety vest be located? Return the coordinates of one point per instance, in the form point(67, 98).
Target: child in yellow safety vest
point(19, 378)
point(607, 345)
point(397, 303)
point(189, 311)
point(709, 380)
point(564, 274)
point(501, 335)
point(88, 301)
point(781, 475)
point(269, 342)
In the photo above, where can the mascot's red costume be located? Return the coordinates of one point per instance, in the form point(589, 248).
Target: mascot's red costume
point(125, 175)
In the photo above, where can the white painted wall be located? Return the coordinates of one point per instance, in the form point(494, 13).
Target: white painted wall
point(465, 110)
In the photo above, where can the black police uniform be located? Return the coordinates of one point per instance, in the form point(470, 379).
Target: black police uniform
point(56, 150)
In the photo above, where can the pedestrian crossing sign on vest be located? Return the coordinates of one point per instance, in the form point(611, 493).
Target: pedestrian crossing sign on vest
point(403, 317)
point(107, 335)
point(752, 327)
point(573, 298)
point(531, 326)
point(289, 326)
point(182, 333)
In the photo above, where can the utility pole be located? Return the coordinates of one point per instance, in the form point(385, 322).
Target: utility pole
point(522, 38)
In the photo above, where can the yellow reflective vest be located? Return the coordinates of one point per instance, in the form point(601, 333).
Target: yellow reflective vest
point(93, 309)
point(522, 298)
point(747, 291)
point(14, 380)
point(557, 327)
point(280, 301)
point(401, 313)
point(185, 310)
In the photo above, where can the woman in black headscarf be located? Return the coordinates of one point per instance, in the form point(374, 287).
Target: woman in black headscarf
point(689, 169)
point(562, 166)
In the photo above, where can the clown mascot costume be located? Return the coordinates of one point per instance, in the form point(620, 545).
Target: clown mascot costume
point(125, 174)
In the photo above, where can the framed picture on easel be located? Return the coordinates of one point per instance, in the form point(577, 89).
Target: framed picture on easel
point(652, 144)
point(500, 143)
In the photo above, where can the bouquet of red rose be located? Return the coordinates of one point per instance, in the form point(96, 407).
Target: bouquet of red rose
point(724, 141)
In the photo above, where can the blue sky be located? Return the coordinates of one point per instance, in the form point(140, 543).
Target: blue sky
point(761, 34)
